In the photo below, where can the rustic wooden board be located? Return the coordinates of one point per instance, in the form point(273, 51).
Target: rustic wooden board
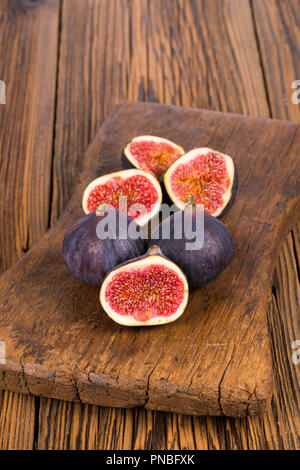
point(213, 360)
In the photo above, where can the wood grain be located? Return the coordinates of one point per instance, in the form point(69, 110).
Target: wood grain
point(27, 29)
point(285, 318)
point(105, 80)
point(83, 426)
point(26, 130)
point(215, 358)
point(17, 421)
point(277, 26)
point(278, 36)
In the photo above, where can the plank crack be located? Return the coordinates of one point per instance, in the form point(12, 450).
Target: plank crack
point(249, 398)
point(220, 385)
point(147, 398)
point(24, 376)
point(51, 185)
point(77, 394)
point(297, 261)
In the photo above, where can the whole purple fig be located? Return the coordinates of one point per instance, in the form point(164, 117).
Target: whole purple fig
point(90, 256)
point(199, 265)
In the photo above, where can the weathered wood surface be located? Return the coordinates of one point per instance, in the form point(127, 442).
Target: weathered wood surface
point(215, 359)
point(277, 27)
point(230, 45)
point(27, 30)
point(27, 123)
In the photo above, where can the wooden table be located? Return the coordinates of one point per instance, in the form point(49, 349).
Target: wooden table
point(65, 64)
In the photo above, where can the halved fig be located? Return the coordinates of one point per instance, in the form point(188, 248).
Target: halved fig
point(150, 290)
point(142, 190)
point(151, 153)
point(89, 256)
point(207, 175)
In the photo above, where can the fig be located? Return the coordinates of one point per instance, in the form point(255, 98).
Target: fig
point(89, 257)
point(141, 189)
point(149, 290)
point(208, 175)
point(200, 265)
point(151, 153)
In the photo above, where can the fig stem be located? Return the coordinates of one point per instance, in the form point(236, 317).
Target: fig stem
point(190, 200)
point(101, 208)
point(154, 250)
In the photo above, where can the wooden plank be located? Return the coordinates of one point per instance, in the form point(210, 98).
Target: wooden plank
point(224, 365)
point(278, 36)
point(285, 318)
point(74, 426)
point(279, 42)
point(17, 421)
point(150, 430)
point(26, 131)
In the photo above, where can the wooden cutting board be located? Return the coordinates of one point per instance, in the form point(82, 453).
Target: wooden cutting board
point(216, 358)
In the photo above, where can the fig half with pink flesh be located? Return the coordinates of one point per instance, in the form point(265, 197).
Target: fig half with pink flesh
point(150, 290)
point(142, 190)
point(151, 153)
point(206, 175)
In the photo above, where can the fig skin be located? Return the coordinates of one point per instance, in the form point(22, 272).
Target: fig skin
point(234, 191)
point(199, 266)
point(89, 258)
point(126, 164)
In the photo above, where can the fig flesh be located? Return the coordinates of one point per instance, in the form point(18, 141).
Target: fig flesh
point(207, 175)
point(150, 290)
point(89, 257)
point(199, 265)
point(142, 190)
point(151, 153)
